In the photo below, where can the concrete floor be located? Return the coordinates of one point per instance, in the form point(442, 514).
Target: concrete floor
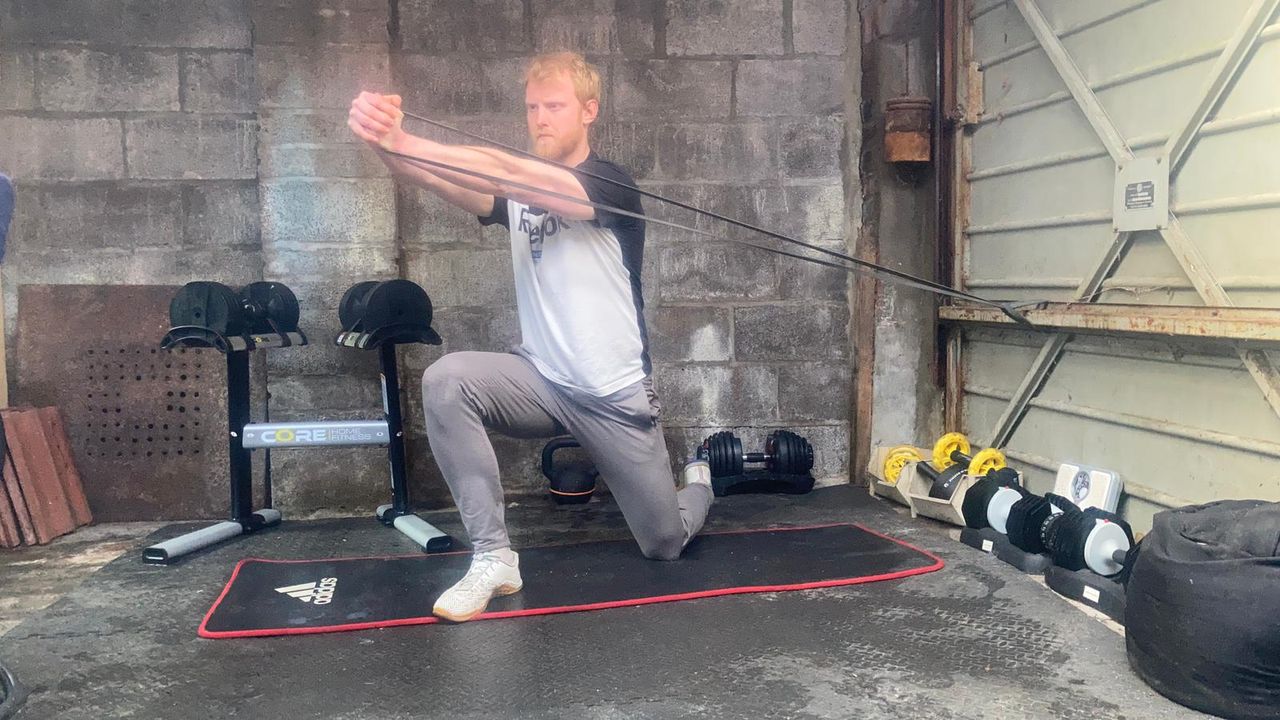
point(974, 640)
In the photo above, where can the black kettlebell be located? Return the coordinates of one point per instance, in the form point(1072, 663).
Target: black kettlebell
point(571, 483)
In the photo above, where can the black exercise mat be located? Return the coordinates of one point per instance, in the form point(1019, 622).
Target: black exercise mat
point(289, 597)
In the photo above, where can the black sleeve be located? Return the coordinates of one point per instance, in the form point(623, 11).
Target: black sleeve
point(609, 193)
point(498, 215)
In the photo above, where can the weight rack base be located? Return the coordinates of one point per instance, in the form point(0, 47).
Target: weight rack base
point(984, 539)
point(1085, 586)
point(1024, 561)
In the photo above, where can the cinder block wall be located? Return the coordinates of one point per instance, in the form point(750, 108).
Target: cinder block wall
point(167, 141)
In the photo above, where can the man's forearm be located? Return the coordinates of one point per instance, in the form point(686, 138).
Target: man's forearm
point(476, 203)
point(503, 166)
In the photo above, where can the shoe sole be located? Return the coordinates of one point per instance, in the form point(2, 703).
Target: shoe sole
point(501, 591)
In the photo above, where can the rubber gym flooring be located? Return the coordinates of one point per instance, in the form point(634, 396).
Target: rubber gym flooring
point(974, 640)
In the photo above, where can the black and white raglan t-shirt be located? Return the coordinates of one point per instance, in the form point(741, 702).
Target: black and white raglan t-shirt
point(578, 286)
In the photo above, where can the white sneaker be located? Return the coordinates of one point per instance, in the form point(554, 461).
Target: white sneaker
point(697, 471)
point(493, 574)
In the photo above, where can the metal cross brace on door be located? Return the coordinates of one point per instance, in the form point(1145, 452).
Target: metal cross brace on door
point(1186, 252)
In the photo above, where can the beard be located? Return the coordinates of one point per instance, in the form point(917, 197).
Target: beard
point(552, 148)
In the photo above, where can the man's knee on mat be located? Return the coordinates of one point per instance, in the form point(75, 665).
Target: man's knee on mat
point(663, 547)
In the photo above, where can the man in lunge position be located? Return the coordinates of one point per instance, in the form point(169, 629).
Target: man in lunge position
point(582, 366)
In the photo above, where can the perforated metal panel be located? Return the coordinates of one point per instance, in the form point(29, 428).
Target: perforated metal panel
point(147, 426)
point(1183, 421)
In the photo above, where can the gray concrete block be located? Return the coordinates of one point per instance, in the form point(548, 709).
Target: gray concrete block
point(312, 22)
point(463, 26)
point(594, 26)
point(318, 265)
point(739, 152)
point(691, 334)
point(62, 149)
point(191, 147)
point(295, 76)
point(800, 280)
point(18, 90)
point(460, 85)
point(142, 266)
point(339, 211)
point(801, 86)
point(820, 26)
point(813, 147)
point(219, 82)
point(345, 480)
point(73, 216)
point(79, 80)
point(791, 332)
point(811, 213)
point(346, 160)
point(716, 271)
point(428, 223)
point(464, 277)
point(629, 144)
point(282, 126)
point(148, 23)
point(727, 27)
point(815, 391)
point(717, 394)
point(221, 214)
point(319, 393)
point(676, 89)
point(732, 200)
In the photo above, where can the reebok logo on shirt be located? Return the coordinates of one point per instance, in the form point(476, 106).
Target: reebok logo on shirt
point(547, 225)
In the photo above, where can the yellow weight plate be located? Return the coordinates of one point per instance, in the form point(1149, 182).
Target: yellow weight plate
point(986, 461)
point(897, 460)
point(946, 445)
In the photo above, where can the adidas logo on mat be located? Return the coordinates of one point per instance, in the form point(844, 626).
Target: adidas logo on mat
point(320, 593)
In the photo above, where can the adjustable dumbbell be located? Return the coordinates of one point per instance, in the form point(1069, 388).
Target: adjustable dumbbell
point(953, 448)
point(260, 307)
point(944, 481)
point(374, 305)
point(1091, 538)
point(785, 453)
point(987, 502)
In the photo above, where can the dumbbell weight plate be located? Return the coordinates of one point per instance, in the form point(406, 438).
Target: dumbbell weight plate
point(790, 454)
point(351, 307)
point(1100, 547)
point(395, 302)
point(277, 303)
point(897, 460)
point(724, 451)
point(985, 461)
point(209, 305)
point(946, 445)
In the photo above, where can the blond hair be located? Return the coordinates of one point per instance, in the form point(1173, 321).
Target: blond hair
point(583, 75)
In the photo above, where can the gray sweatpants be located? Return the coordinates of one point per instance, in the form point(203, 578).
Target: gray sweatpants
point(466, 392)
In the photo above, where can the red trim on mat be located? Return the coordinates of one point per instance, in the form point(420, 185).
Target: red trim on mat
point(938, 564)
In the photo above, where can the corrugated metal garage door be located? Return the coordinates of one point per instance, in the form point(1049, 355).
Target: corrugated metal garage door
point(1069, 90)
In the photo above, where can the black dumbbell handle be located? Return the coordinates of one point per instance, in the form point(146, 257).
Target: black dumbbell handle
point(756, 457)
point(961, 458)
point(926, 470)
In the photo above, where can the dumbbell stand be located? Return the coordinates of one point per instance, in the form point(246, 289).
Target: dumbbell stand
point(985, 539)
point(243, 518)
point(1085, 586)
point(1019, 558)
point(243, 437)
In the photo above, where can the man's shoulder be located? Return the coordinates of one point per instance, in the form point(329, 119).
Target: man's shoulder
point(605, 167)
